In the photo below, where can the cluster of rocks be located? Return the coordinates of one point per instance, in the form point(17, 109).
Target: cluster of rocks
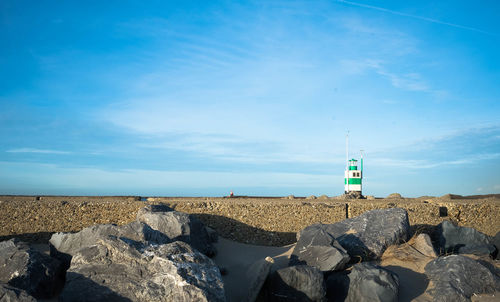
point(165, 256)
point(162, 256)
point(340, 261)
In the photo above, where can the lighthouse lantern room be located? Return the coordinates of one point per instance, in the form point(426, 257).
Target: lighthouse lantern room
point(352, 176)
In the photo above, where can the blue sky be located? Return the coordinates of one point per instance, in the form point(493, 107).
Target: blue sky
point(198, 98)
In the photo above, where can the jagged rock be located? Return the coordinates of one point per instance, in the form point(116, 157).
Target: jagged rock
point(25, 268)
point(315, 247)
point(116, 269)
point(394, 196)
point(423, 244)
point(457, 239)
point(368, 235)
point(256, 275)
point(311, 197)
point(12, 294)
point(370, 197)
point(369, 282)
point(64, 245)
point(179, 226)
point(456, 278)
point(496, 243)
point(337, 286)
point(290, 197)
point(296, 283)
point(323, 197)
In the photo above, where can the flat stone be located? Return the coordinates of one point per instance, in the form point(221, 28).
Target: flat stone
point(423, 244)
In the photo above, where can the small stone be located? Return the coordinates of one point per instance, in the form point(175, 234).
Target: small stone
point(423, 244)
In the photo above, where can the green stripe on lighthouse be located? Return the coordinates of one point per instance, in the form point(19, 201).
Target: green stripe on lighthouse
point(353, 181)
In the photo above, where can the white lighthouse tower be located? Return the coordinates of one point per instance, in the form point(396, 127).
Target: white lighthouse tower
point(352, 176)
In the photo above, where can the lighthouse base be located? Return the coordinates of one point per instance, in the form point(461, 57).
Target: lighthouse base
point(353, 195)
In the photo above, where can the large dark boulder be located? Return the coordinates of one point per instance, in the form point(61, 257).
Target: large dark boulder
point(365, 282)
point(12, 294)
point(464, 240)
point(179, 226)
point(456, 278)
point(368, 235)
point(496, 242)
point(65, 245)
point(318, 248)
point(26, 268)
point(296, 283)
point(116, 269)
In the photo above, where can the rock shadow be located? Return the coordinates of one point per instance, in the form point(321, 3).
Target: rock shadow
point(79, 288)
point(37, 238)
point(411, 284)
point(238, 231)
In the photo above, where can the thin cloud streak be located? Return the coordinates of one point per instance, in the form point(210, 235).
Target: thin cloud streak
point(33, 150)
point(417, 17)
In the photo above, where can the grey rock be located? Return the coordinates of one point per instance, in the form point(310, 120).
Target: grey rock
point(65, 245)
point(496, 242)
point(457, 278)
point(115, 269)
point(12, 294)
point(369, 282)
point(26, 268)
point(296, 283)
point(478, 250)
point(368, 235)
point(337, 286)
point(256, 275)
point(315, 247)
point(154, 208)
point(179, 226)
point(452, 238)
point(423, 244)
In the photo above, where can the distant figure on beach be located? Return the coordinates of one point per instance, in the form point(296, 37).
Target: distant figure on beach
point(231, 194)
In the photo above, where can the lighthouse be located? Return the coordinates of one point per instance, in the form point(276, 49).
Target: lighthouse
point(353, 176)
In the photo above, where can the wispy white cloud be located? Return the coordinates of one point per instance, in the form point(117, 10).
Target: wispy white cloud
point(34, 150)
point(429, 164)
point(417, 17)
point(411, 81)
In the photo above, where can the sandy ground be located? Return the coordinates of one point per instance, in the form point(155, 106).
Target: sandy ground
point(236, 258)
